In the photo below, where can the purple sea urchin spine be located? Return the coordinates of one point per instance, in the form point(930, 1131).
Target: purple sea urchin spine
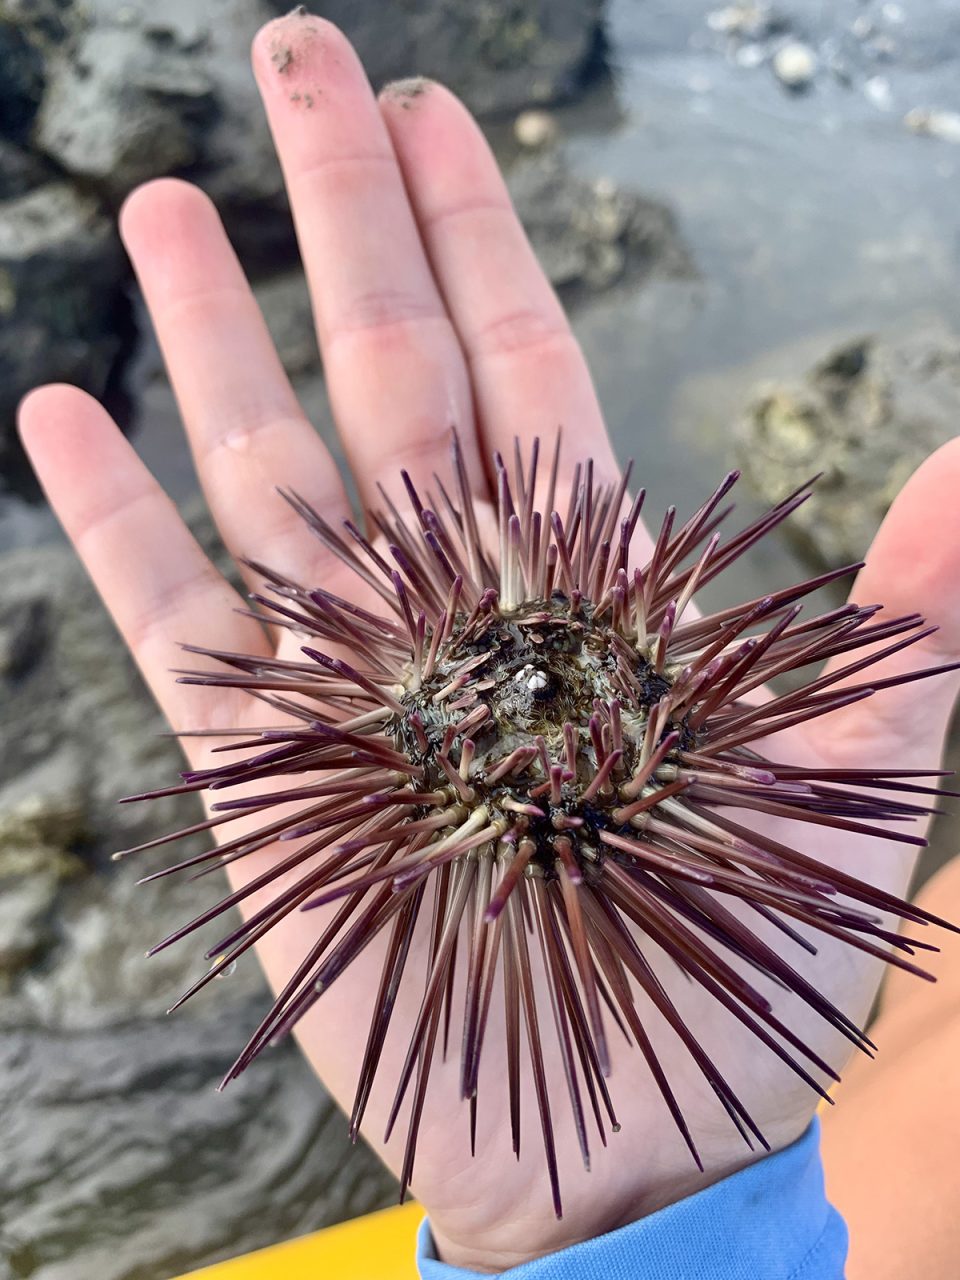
point(535, 760)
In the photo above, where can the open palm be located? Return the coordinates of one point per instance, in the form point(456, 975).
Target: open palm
point(431, 309)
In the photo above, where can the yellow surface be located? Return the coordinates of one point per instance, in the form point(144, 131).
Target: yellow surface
point(380, 1246)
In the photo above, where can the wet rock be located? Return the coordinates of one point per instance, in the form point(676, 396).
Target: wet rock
point(41, 819)
point(25, 925)
point(22, 635)
point(121, 1162)
point(81, 693)
point(499, 56)
point(81, 731)
point(21, 84)
point(866, 416)
point(285, 303)
point(98, 975)
point(62, 306)
point(20, 170)
point(42, 815)
point(113, 95)
point(591, 235)
point(117, 111)
point(133, 92)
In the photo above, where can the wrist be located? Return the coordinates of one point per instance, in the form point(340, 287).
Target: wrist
point(499, 1236)
point(771, 1218)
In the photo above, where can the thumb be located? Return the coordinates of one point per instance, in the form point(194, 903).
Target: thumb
point(912, 567)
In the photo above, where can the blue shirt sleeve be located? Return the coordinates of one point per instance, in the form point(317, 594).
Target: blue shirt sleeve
point(770, 1221)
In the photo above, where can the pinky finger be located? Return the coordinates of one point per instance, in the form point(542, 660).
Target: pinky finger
point(157, 583)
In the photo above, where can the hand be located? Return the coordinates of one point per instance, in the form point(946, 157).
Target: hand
point(901, 1114)
point(431, 309)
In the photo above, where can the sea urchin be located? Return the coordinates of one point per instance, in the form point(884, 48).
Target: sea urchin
point(537, 759)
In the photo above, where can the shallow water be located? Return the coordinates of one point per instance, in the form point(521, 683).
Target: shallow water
point(810, 217)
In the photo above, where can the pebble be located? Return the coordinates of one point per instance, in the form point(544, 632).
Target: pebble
point(750, 55)
point(877, 90)
point(535, 129)
point(944, 125)
point(795, 65)
point(744, 20)
point(728, 20)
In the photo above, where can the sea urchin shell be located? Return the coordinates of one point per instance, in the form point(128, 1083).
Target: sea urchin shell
point(538, 759)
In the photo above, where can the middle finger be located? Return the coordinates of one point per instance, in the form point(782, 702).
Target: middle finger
point(396, 375)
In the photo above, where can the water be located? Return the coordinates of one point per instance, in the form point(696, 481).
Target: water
point(810, 218)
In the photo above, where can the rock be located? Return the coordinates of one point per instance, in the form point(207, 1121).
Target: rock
point(866, 416)
point(285, 303)
point(944, 125)
point(25, 925)
point(795, 65)
point(499, 56)
point(21, 85)
point(535, 129)
point(62, 304)
point(80, 732)
point(42, 815)
point(112, 95)
point(589, 236)
point(20, 170)
point(41, 819)
point(747, 21)
point(117, 111)
point(80, 693)
point(108, 1108)
point(123, 1162)
point(98, 976)
point(22, 635)
point(134, 92)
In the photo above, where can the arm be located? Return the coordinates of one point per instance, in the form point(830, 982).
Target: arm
point(890, 1146)
point(771, 1220)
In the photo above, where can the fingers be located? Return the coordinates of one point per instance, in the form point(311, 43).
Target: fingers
point(890, 1156)
point(882, 1108)
point(529, 374)
point(913, 566)
point(909, 1010)
point(246, 428)
point(156, 582)
point(396, 376)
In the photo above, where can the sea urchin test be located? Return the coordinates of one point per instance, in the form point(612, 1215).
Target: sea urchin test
point(540, 762)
